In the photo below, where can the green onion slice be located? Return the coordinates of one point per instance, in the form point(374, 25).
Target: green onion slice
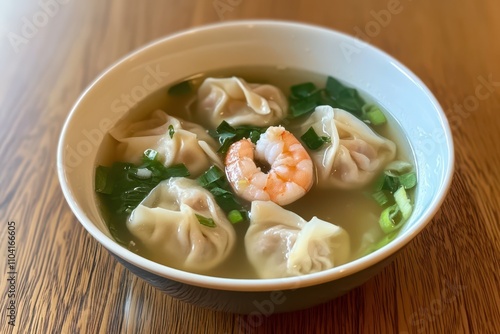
point(380, 197)
point(214, 180)
point(391, 219)
point(312, 140)
point(209, 222)
point(302, 107)
point(403, 203)
point(182, 88)
point(373, 114)
point(101, 180)
point(212, 175)
point(408, 180)
point(303, 89)
point(171, 131)
point(150, 154)
point(227, 135)
point(235, 216)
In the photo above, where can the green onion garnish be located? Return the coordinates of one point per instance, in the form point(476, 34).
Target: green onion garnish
point(408, 180)
point(182, 88)
point(403, 202)
point(391, 219)
point(345, 97)
point(312, 140)
point(101, 180)
point(227, 135)
point(302, 107)
point(235, 216)
point(209, 222)
point(211, 176)
point(305, 97)
point(214, 180)
point(373, 114)
point(380, 197)
point(150, 154)
point(124, 185)
point(389, 191)
point(303, 89)
point(171, 131)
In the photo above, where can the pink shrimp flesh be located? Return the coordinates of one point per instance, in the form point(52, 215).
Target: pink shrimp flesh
point(290, 175)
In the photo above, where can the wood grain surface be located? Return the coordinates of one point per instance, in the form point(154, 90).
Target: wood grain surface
point(446, 281)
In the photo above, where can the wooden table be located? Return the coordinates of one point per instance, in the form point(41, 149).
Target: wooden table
point(446, 281)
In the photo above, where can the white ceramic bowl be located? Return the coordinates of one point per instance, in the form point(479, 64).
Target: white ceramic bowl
point(243, 43)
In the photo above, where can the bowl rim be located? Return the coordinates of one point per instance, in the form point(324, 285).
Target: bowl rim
point(259, 284)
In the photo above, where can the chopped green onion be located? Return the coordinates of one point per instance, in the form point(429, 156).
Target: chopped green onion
point(214, 180)
point(302, 107)
point(373, 114)
point(403, 202)
point(379, 183)
point(345, 97)
point(255, 136)
point(209, 222)
point(101, 180)
point(182, 88)
point(312, 140)
point(179, 170)
point(391, 219)
point(380, 197)
point(235, 216)
point(125, 185)
point(150, 154)
point(303, 90)
point(225, 199)
point(408, 180)
point(228, 135)
point(397, 177)
point(391, 183)
point(210, 176)
point(171, 131)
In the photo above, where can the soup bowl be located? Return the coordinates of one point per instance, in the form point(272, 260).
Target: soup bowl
point(256, 43)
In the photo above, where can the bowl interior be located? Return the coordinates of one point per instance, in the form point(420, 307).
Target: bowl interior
point(262, 43)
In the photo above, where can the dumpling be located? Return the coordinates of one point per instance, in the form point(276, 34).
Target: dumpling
point(166, 225)
point(355, 155)
point(177, 141)
point(279, 243)
point(240, 103)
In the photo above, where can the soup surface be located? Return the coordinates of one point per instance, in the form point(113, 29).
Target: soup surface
point(353, 210)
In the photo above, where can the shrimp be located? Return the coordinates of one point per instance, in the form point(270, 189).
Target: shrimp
point(291, 169)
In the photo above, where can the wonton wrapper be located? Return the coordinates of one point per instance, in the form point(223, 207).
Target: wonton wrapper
point(190, 143)
point(355, 155)
point(239, 103)
point(166, 224)
point(279, 243)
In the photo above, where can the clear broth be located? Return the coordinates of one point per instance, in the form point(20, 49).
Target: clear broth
point(353, 210)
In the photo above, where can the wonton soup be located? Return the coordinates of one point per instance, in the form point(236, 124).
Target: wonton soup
point(255, 173)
